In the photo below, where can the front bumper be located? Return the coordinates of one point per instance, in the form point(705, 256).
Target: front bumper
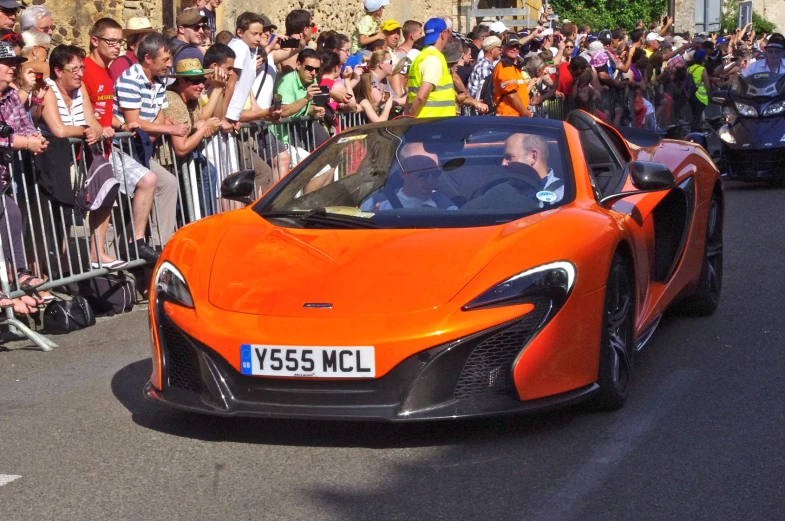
point(755, 164)
point(468, 377)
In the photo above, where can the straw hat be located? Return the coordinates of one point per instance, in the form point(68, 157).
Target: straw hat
point(188, 67)
point(136, 25)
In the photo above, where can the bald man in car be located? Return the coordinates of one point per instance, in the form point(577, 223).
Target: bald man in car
point(531, 183)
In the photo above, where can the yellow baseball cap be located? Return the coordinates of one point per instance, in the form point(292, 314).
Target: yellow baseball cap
point(390, 25)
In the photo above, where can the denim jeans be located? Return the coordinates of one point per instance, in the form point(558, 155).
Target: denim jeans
point(206, 184)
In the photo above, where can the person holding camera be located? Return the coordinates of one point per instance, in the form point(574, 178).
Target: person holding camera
point(16, 133)
point(302, 96)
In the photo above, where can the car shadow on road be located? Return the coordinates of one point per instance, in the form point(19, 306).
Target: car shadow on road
point(128, 382)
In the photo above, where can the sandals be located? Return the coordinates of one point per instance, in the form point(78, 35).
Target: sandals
point(30, 289)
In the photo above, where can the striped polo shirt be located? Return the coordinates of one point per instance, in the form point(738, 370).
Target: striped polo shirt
point(133, 90)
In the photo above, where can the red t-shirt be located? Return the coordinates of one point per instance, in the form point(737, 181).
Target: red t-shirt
point(565, 79)
point(100, 90)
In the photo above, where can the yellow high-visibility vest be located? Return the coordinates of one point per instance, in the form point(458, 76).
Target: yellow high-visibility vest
point(441, 100)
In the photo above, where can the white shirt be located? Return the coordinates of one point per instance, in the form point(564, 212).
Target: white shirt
point(760, 66)
point(245, 60)
point(265, 96)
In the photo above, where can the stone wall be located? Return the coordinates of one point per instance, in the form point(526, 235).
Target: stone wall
point(336, 14)
point(73, 18)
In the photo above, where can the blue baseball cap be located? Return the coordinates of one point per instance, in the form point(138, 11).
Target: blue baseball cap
point(433, 28)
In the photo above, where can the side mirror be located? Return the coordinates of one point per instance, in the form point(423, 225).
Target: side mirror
point(646, 176)
point(239, 186)
point(720, 97)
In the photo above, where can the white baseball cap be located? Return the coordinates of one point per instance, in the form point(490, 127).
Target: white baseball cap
point(374, 5)
point(654, 36)
point(498, 27)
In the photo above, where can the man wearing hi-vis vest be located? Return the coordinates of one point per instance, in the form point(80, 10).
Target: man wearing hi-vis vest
point(431, 91)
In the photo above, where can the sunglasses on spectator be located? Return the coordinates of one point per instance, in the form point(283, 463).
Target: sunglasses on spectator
point(10, 11)
point(46, 29)
point(310, 68)
point(774, 50)
point(195, 80)
point(12, 37)
point(111, 42)
point(73, 70)
point(196, 27)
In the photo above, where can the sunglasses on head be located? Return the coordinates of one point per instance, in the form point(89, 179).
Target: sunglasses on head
point(310, 68)
point(12, 37)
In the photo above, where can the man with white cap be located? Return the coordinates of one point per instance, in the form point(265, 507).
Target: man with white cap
point(775, 58)
point(431, 88)
point(492, 51)
point(9, 9)
point(652, 43)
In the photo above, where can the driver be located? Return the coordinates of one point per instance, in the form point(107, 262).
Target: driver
point(775, 58)
point(420, 171)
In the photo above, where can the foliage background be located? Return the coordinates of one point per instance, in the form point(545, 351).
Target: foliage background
point(613, 14)
point(610, 14)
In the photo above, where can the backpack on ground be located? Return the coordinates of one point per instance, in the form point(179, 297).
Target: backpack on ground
point(109, 294)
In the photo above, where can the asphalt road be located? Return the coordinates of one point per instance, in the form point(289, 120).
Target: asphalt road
point(700, 437)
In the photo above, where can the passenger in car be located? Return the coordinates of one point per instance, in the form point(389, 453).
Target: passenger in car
point(530, 182)
point(420, 171)
point(532, 150)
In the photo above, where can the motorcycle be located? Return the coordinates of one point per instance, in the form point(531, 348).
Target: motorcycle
point(753, 135)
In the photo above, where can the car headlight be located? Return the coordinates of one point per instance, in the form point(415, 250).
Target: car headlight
point(170, 282)
point(747, 110)
point(775, 108)
point(554, 280)
point(725, 134)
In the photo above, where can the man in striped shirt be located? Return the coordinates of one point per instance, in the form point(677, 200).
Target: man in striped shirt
point(140, 97)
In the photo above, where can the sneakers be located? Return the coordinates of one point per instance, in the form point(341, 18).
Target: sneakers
point(146, 252)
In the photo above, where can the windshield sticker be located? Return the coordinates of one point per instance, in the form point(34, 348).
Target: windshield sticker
point(546, 196)
point(347, 139)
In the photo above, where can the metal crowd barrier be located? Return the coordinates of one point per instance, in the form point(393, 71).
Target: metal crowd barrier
point(56, 236)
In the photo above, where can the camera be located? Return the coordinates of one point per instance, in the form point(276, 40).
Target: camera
point(6, 130)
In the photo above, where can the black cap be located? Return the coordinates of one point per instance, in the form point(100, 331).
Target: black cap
point(605, 37)
point(776, 41)
point(510, 39)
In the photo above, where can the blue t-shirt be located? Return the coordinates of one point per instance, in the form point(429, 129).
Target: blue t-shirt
point(191, 51)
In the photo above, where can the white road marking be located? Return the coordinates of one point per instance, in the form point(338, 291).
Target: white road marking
point(5, 479)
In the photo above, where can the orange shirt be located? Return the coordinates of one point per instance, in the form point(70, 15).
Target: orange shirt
point(508, 79)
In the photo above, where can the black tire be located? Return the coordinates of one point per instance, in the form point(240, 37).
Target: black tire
point(707, 295)
point(617, 345)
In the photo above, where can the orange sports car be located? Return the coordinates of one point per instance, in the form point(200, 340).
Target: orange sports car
point(430, 269)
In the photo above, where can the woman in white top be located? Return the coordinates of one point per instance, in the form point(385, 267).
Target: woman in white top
point(67, 113)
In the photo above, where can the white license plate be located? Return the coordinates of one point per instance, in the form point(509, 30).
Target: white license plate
point(316, 362)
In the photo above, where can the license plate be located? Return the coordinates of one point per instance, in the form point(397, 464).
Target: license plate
point(315, 362)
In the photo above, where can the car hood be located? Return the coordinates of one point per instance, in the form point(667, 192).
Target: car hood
point(267, 270)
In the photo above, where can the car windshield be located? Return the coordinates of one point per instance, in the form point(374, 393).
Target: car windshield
point(456, 172)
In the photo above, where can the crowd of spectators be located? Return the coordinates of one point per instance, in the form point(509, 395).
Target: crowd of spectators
point(192, 86)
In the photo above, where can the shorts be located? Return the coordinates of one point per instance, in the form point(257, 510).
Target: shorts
point(269, 145)
point(127, 170)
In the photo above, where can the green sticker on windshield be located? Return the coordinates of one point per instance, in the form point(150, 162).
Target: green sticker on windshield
point(347, 139)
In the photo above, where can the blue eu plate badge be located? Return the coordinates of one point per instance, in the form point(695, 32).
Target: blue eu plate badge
point(245, 359)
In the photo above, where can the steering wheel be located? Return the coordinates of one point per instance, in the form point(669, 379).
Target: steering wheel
point(522, 174)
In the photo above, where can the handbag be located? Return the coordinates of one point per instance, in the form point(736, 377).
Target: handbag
point(64, 316)
point(109, 294)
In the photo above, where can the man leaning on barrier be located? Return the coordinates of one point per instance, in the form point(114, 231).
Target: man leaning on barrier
point(140, 97)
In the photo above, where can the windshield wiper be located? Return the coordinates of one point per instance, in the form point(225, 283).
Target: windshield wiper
point(320, 216)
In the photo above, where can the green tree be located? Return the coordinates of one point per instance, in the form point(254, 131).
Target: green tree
point(610, 14)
